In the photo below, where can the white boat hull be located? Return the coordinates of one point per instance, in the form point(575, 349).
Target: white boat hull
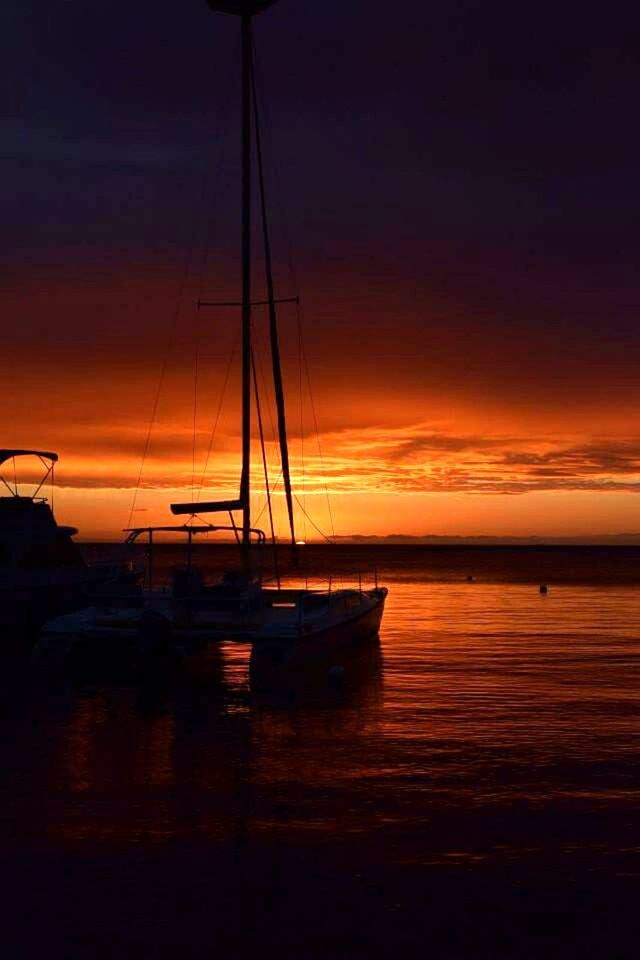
point(120, 638)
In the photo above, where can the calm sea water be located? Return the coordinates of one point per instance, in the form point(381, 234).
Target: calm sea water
point(475, 774)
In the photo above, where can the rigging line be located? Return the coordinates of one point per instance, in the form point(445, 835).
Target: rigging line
point(238, 303)
point(304, 487)
point(235, 529)
point(265, 388)
point(278, 385)
point(223, 144)
point(278, 192)
point(217, 418)
point(264, 464)
point(163, 373)
point(208, 204)
point(266, 393)
point(195, 406)
point(171, 333)
point(268, 403)
point(313, 523)
point(315, 424)
point(196, 312)
point(262, 509)
point(42, 482)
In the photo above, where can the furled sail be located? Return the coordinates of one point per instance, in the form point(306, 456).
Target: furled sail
point(207, 506)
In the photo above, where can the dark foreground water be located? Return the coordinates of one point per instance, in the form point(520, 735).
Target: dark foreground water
point(470, 788)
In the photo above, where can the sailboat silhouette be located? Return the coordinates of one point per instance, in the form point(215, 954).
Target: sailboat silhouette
point(285, 623)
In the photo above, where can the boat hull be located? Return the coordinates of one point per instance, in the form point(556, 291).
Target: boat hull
point(119, 640)
point(274, 658)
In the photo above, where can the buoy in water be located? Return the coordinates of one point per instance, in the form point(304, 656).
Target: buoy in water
point(544, 588)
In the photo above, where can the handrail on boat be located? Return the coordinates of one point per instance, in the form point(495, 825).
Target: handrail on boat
point(358, 581)
point(189, 530)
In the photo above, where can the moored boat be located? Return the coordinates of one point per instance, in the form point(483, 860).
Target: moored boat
point(42, 570)
point(285, 623)
point(241, 606)
point(310, 625)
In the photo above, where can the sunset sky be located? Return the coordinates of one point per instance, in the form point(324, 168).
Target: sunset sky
point(457, 183)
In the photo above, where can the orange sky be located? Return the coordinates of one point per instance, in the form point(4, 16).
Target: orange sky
point(423, 433)
point(461, 214)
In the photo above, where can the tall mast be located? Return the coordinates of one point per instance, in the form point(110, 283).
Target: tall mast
point(246, 10)
point(245, 481)
point(273, 333)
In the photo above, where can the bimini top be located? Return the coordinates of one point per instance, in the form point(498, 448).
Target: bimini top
point(10, 454)
point(242, 8)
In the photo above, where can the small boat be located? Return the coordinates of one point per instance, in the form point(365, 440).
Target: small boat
point(42, 571)
point(300, 622)
point(306, 625)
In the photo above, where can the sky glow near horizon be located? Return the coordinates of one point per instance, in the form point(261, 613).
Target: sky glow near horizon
point(465, 248)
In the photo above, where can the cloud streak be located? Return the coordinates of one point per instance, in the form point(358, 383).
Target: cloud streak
point(413, 459)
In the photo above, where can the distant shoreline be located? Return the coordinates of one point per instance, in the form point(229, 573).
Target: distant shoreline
point(611, 540)
point(616, 539)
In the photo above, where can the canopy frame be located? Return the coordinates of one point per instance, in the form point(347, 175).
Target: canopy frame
point(48, 461)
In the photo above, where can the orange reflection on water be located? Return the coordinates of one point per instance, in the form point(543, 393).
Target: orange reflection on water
point(479, 696)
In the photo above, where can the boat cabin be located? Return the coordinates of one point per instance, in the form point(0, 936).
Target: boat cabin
point(30, 538)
